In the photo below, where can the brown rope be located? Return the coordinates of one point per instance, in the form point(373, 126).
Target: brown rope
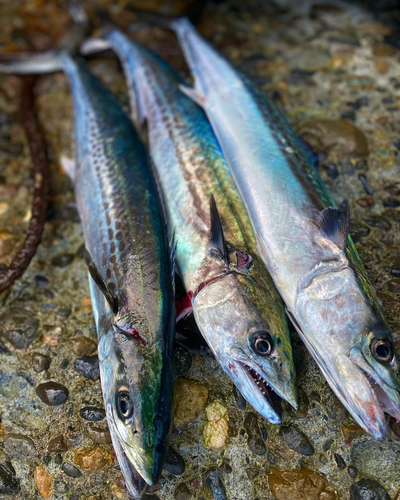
point(41, 185)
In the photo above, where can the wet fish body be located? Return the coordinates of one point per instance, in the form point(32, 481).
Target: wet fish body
point(128, 257)
point(233, 297)
point(301, 236)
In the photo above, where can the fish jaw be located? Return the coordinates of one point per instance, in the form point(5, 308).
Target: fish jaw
point(226, 319)
point(389, 397)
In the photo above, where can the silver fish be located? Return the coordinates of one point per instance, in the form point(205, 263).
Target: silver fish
point(128, 256)
point(234, 301)
point(301, 236)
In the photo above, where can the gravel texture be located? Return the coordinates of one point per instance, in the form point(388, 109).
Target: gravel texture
point(336, 73)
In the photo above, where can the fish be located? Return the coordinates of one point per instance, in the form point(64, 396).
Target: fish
point(228, 289)
point(302, 236)
point(130, 269)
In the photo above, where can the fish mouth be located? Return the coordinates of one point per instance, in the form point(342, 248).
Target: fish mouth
point(270, 404)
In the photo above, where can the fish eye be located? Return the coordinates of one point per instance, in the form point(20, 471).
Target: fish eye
point(262, 343)
point(124, 405)
point(382, 349)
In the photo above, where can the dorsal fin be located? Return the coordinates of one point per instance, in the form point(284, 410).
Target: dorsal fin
point(97, 278)
point(217, 240)
point(334, 223)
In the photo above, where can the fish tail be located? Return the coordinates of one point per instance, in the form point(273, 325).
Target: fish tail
point(52, 60)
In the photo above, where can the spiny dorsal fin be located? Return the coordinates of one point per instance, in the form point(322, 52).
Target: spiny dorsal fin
point(97, 278)
point(217, 240)
point(334, 223)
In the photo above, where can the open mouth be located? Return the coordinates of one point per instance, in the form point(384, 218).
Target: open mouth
point(384, 400)
point(268, 393)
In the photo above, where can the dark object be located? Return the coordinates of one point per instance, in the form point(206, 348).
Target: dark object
point(52, 393)
point(174, 463)
point(71, 470)
point(368, 489)
point(365, 184)
point(213, 482)
point(339, 461)
point(393, 40)
point(182, 360)
point(63, 260)
point(240, 401)
point(296, 440)
point(188, 335)
point(41, 182)
point(64, 364)
point(19, 327)
point(391, 202)
point(348, 115)
point(9, 484)
point(88, 366)
point(271, 457)
point(352, 471)
point(332, 169)
point(97, 278)
point(92, 414)
point(40, 362)
point(359, 103)
point(255, 441)
point(41, 281)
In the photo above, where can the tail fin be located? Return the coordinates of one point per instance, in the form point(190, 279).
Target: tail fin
point(193, 12)
point(48, 62)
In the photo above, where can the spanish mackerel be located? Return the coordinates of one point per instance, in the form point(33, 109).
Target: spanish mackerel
point(235, 303)
point(128, 256)
point(301, 236)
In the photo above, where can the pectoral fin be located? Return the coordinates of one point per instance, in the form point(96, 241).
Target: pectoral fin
point(98, 279)
point(217, 239)
point(334, 224)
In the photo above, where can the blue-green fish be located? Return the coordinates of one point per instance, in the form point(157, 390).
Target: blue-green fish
point(301, 236)
point(234, 301)
point(128, 256)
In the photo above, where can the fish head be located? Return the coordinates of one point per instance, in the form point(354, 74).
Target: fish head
point(348, 337)
point(137, 389)
point(243, 344)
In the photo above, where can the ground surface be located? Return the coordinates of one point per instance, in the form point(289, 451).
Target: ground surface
point(333, 63)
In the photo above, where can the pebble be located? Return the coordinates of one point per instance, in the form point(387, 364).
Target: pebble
point(309, 59)
point(299, 485)
point(19, 327)
point(352, 431)
point(365, 202)
point(91, 459)
point(64, 312)
point(216, 430)
point(190, 400)
point(377, 459)
point(339, 136)
point(174, 463)
point(381, 66)
point(394, 285)
point(379, 222)
point(384, 50)
point(182, 360)
point(348, 115)
point(327, 445)
point(241, 403)
point(339, 461)
point(63, 260)
point(255, 440)
point(52, 393)
point(83, 346)
point(92, 414)
point(182, 492)
point(57, 444)
point(41, 281)
point(40, 362)
point(368, 489)
point(88, 366)
point(98, 434)
point(43, 482)
point(352, 471)
point(271, 457)
point(9, 483)
point(359, 103)
point(391, 202)
point(19, 446)
point(214, 483)
point(302, 410)
point(252, 472)
point(71, 470)
point(296, 440)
